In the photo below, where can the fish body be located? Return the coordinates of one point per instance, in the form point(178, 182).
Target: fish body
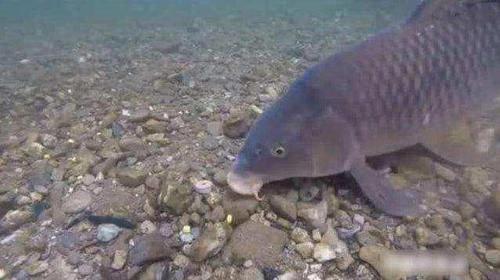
point(394, 90)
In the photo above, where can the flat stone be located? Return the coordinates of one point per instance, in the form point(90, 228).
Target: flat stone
point(149, 248)
point(323, 252)
point(76, 202)
point(131, 177)
point(257, 242)
point(283, 207)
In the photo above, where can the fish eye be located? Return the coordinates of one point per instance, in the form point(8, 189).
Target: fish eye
point(278, 151)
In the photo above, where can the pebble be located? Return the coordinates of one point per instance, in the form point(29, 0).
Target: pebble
point(316, 235)
point(148, 227)
point(210, 242)
point(300, 235)
point(203, 186)
point(76, 202)
point(23, 200)
point(151, 247)
point(236, 125)
point(305, 249)
point(493, 257)
point(181, 261)
point(166, 230)
point(107, 232)
point(283, 207)
point(323, 252)
point(119, 259)
point(495, 242)
point(85, 269)
point(38, 267)
point(36, 197)
point(131, 177)
point(426, 237)
point(88, 179)
point(49, 141)
point(3, 273)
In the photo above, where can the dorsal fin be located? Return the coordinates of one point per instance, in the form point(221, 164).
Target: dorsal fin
point(443, 9)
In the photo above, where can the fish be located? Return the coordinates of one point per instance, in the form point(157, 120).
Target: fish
point(416, 83)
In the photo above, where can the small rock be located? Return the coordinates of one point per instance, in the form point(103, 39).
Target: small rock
point(3, 273)
point(313, 213)
point(370, 236)
point(477, 178)
point(139, 115)
point(151, 247)
point(23, 200)
point(344, 258)
point(237, 125)
point(300, 235)
point(49, 141)
point(203, 186)
point(316, 235)
point(155, 126)
point(158, 138)
point(257, 242)
point(426, 237)
point(220, 177)
point(493, 257)
point(131, 177)
point(308, 191)
point(210, 143)
point(218, 214)
point(210, 242)
point(166, 230)
point(239, 207)
point(148, 227)
point(88, 179)
point(107, 232)
point(77, 202)
point(176, 198)
point(305, 249)
point(85, 269)
point(119, 259)
point(283, 207)
point(181, 261)
point(252, 273)
point(323, 252)
point(37, 268)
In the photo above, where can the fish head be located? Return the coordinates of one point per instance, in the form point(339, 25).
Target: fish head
point(295, 137)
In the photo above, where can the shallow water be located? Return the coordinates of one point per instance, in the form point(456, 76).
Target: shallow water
point(120, 108)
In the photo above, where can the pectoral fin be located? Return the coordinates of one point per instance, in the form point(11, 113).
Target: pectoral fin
point(383, 196)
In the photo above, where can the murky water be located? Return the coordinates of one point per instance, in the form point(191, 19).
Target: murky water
point(120, 119)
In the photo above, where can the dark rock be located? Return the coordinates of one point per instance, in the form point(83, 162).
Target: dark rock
point(149, 248)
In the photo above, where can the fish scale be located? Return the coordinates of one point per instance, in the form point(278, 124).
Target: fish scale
point(431, 73)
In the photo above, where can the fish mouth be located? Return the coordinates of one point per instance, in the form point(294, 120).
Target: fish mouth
point(245, 183)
